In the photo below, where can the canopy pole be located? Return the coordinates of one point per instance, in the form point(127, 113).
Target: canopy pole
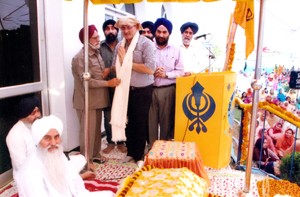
point(256, 85)
point(86, 78)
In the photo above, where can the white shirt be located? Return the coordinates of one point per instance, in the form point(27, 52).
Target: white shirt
point(195, 58)
point(20, 145)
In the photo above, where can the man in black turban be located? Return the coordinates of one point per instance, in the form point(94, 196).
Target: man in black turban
point(148, 29)
point(194, 27)
point(19, 139)
point(193, 56)
point(188, 30)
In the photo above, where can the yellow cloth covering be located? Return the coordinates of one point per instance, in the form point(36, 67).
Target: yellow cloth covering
point(172, 154)
point(163, 183)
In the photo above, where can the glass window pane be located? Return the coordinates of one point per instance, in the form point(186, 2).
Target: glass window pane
point(19, 57)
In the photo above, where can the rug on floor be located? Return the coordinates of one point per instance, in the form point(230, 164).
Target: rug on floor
point(228, 182)
point(114, 170)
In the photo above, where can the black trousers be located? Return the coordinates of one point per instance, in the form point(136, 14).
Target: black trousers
point(137, 127)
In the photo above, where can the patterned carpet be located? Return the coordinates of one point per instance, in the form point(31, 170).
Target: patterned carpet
point(224, 182)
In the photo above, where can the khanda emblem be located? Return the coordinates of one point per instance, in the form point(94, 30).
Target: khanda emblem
point(198, 107)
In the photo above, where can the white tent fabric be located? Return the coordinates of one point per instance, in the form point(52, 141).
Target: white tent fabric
point(13, 14)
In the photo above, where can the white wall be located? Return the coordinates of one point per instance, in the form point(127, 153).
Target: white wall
point(63, 21)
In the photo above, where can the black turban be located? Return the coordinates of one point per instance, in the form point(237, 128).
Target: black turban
point(193, 26)
point(26, 106)
point(150, 25)
point(109, 22)
point(164, 22)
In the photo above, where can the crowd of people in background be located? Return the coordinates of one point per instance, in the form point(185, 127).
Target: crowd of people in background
point(274, 137)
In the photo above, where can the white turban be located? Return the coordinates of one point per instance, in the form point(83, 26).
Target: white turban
point(41, 127)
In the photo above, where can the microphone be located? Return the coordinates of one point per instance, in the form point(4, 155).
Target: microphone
point(203, 35)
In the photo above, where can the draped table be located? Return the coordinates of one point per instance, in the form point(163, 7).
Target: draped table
point(174, 154)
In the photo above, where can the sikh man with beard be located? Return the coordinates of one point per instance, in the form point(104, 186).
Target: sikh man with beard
point(194, 57)
point(107, 48)
point(47, 172)
point(169, 66)
point(148, 30)
point(98, 92)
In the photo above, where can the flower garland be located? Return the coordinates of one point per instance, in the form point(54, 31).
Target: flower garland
point(230, 57)
point(282, 113)
point(286, 115)
point(245, 132)
point(271, 187)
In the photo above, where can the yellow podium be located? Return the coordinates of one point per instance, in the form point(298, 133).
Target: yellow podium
point(203, 110)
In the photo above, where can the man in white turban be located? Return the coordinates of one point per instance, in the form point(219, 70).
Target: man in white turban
point(46, 173)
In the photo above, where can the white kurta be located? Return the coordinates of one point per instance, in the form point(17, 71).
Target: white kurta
point(195, 58)
point(33, 182)
point(20, 145)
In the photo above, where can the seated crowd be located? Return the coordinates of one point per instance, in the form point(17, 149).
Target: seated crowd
point(274, 139)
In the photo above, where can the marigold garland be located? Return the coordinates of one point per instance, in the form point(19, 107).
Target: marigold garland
point(270, 187)
point(231, 56)
point(286, 115)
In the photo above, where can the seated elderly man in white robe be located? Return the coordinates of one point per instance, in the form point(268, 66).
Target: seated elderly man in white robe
point(46, 173)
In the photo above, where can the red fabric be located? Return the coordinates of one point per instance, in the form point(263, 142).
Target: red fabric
point(91, 185)
point(91, 30)
point(97, 185)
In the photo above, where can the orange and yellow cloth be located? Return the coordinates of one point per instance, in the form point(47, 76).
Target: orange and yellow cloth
point(173, 154)
point(157, 182)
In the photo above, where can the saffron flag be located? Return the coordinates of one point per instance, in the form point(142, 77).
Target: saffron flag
point(244, 16)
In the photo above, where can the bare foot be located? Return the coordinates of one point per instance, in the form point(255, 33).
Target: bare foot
point(122, 148)
point(88, 175)
point(91, 166)
point(109, 148)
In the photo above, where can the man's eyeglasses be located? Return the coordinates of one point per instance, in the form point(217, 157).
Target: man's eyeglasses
point(126, 27)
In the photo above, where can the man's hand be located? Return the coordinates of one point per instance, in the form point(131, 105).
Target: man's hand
point(113, 82)
point(160, 72)
point(106, 72)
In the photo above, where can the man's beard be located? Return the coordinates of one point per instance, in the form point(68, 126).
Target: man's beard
point(161, 41)
point(55, 168)
point(186, 41)
point(110, 38)
point(95, 47)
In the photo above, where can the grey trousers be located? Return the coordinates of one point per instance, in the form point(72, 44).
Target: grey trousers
point(162, 114)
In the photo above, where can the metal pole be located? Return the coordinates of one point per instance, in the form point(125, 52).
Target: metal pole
point(86, 77)
point(256, 85)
